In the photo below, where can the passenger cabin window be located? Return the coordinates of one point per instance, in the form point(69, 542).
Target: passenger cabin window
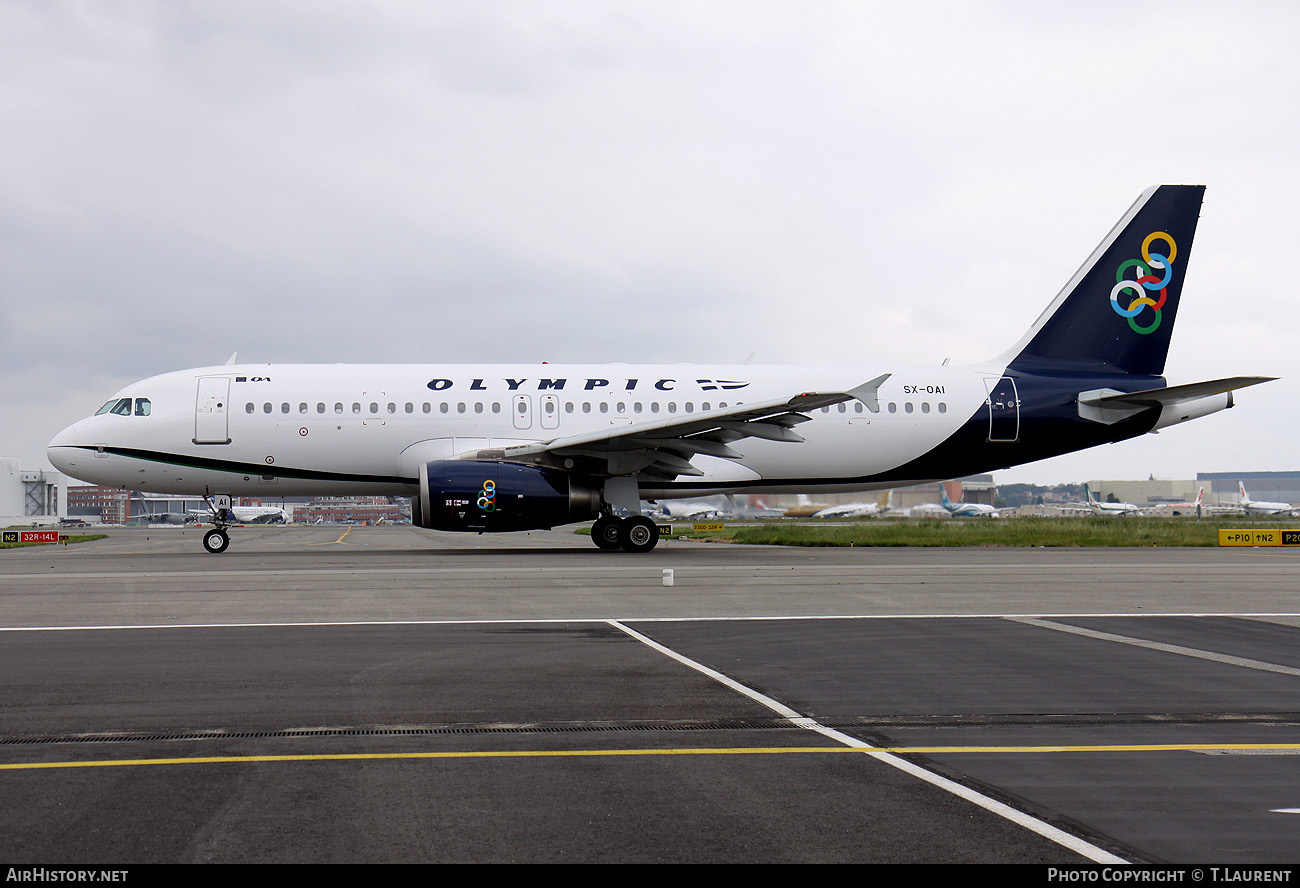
point(249, 407)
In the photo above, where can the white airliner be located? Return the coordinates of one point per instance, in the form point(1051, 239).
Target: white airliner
point(1253, 507)
point(965, 510)
point(248, 514)
point(859, 510)
point(520, 447)
point(1101, 508)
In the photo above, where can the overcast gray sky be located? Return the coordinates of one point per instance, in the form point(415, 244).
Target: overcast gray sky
point(817, 182)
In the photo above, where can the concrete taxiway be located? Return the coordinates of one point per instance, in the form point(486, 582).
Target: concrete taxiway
point(389, 694)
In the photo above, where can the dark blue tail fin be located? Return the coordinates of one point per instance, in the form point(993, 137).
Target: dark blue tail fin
point(1116, 313)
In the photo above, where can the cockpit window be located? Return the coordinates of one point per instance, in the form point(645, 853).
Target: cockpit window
point(122, 407)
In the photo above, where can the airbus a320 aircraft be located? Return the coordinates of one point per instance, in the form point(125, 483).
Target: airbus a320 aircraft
point(521, 447)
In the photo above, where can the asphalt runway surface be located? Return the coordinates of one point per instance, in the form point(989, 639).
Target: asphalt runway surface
point(332, 694)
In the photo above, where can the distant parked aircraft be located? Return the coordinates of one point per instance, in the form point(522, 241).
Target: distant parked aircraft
point(1255, 507)
point(965, 510)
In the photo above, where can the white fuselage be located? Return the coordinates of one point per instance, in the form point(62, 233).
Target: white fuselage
point(355, 429)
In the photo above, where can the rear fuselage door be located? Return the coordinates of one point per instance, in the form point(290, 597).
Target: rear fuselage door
point(210, 410)
point(1004, 409)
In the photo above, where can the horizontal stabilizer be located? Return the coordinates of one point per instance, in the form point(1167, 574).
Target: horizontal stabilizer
point(1109, 406)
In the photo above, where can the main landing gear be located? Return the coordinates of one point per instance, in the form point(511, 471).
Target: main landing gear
point(635, 534)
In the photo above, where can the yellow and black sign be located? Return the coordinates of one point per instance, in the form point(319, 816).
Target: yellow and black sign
point(699, 527)
point(1270, 537)
point(665, 530)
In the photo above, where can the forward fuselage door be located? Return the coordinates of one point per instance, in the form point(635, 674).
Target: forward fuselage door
point(211, 407)
point(1003, 404)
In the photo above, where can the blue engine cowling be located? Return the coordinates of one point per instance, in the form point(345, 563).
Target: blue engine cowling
point(487, 496)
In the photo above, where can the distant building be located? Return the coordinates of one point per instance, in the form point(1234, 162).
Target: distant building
point(1151, 492)
point(30, 496)
point(99, 505)
point(351, 510)
point(1280, 487)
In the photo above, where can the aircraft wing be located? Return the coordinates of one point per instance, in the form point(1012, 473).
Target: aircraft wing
point(663, 448)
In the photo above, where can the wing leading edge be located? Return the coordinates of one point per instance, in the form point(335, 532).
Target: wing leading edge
point(663, 449)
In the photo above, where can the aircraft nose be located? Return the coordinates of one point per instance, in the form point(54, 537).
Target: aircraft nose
point(59, 451)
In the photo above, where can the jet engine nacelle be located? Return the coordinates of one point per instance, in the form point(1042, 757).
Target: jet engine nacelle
point(489, 496)
point(1192, 408)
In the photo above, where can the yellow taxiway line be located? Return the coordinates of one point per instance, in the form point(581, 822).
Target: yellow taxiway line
point(593, 753)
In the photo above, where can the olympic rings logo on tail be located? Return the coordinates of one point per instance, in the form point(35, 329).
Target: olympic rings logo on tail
point(1146, 282)
point(487, 497)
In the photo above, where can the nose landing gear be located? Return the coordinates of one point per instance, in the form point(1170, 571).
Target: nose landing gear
point(217, 540)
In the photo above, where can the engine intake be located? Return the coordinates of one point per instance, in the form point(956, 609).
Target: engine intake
point(490, 496)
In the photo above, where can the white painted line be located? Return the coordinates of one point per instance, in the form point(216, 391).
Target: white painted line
point(720, 618)
point(1244, 662)
point(1020, 818)
point(757, 570)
